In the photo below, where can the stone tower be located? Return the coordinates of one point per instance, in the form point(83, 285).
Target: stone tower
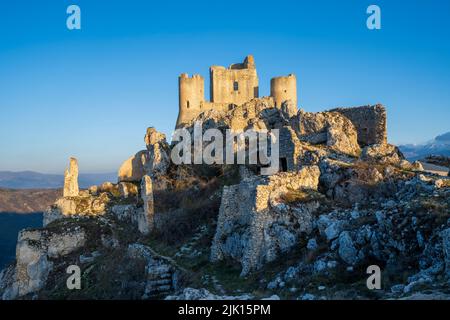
point(71, 179)
point(283, 88)
point(236, 84)
point(230, 87)
point(191, 96)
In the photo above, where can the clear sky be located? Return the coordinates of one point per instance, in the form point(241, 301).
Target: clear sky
point(91, 93)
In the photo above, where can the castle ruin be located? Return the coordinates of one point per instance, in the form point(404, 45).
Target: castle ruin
point(229, 87)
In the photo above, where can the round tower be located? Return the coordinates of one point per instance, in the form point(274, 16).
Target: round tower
point(191, 96)
point(283, 88)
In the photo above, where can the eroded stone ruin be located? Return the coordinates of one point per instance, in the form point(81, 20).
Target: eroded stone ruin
point(343, 197)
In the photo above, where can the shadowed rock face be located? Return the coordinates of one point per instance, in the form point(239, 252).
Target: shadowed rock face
point(71, 179)
point(254, 226)
point(370, 123)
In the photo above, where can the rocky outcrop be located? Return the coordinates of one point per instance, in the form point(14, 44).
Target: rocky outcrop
point(36, 251)
point(71, 179)
point(132, 169)
point(158, 160)
point(255, 225)
point(358, 182)
point(397, 233)
point(85, 205)
point(256, 114)
point(154, 161)
point(145, 220)
point(330, 128)
point(382, 153)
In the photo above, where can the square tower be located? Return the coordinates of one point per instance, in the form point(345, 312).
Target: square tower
point(236, 84)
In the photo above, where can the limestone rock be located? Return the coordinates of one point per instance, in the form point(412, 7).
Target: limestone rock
point(132, 170)
point(254, 226)
point(62, 244)
point(347, 250)
point(127, 189)
point(382, 153)
point(32, 266)
point(331, 128)
point(93, 190)
point(153, 137)
point(77, 206)
point(146, 218)
point(108, 187)
point(71, 179)
point(343, 139)
point(158, 159)
point(289, 109)
point(35, 252)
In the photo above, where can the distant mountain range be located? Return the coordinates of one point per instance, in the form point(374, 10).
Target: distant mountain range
point(36, 180)
point(438, 146)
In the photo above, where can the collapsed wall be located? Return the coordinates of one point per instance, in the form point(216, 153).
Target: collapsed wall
point(254, 227)
point(370, 123)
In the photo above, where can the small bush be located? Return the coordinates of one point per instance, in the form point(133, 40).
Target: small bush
point(301, 196)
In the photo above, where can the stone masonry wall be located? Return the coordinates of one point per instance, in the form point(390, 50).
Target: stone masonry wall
point(370, 123)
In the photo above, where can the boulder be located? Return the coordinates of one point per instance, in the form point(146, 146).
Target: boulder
point(347, 250)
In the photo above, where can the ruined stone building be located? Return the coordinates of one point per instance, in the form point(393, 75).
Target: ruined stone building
point(229, 87)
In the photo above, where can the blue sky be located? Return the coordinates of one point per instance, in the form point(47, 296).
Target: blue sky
point(92, 92)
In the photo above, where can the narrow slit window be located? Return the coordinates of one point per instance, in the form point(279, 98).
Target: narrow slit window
point(236, 86)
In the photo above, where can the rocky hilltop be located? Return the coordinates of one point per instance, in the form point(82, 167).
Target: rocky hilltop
point(343, 199)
